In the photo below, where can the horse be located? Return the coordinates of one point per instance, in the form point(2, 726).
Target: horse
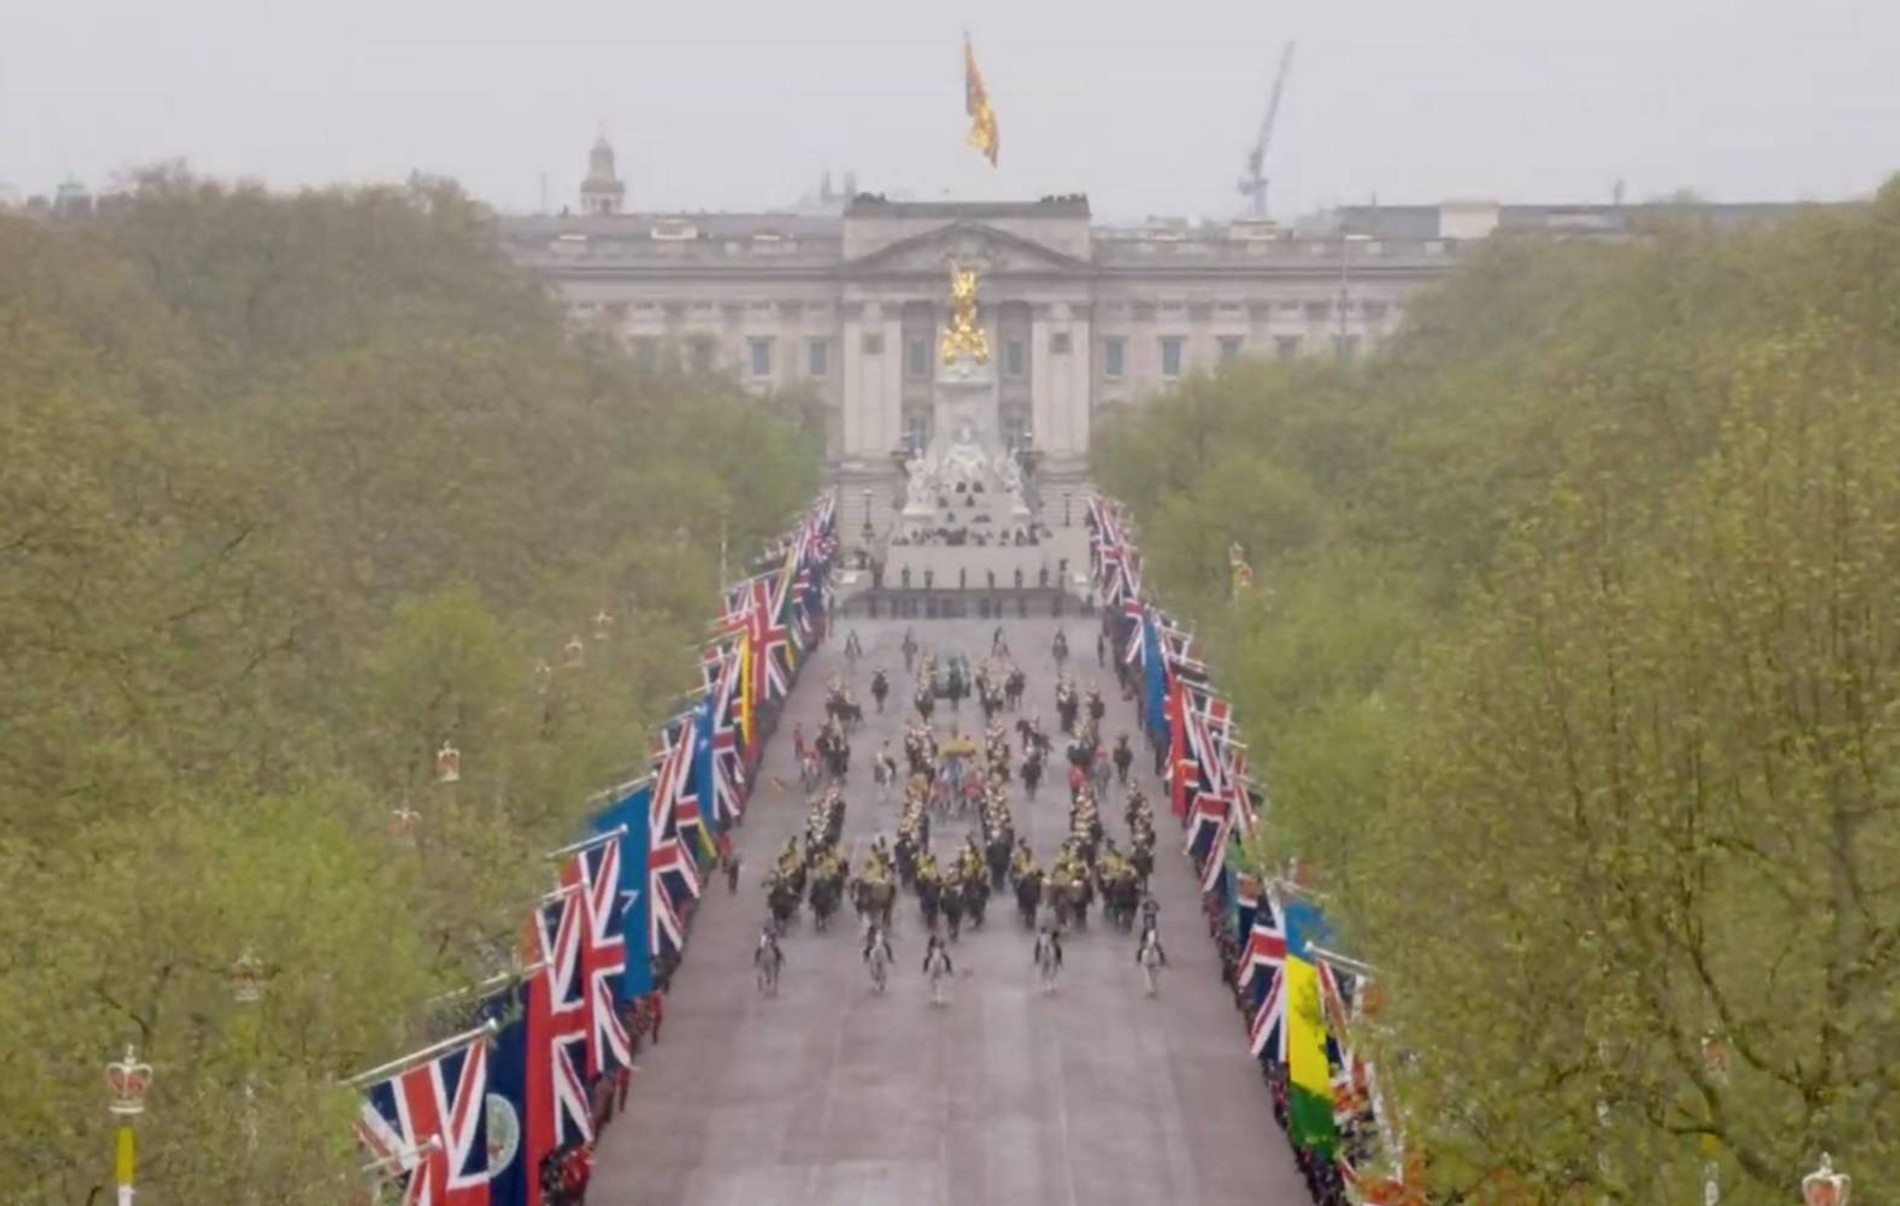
point(1013, 687)
point(976, 898)
point(879, 960)
point(873, 898)
point(937, 967)
point(1048, 960)
point(1028, 897)
point(1080, 893)
point(1151, 959)
point(996, 854)
point(782, 899)
point(824, 901)
point(929, 899)
point(770, 960)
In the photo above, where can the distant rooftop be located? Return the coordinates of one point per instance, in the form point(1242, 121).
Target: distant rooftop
point(1067, 205)
point(1476, 219)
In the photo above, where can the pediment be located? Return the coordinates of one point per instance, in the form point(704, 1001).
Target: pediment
point(994, 252)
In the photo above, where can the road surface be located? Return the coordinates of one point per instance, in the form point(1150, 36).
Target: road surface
point(828, 1094)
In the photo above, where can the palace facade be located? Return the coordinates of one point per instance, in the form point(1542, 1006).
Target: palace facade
point(848, 301)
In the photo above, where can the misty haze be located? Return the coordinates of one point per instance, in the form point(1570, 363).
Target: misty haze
point(851, 604)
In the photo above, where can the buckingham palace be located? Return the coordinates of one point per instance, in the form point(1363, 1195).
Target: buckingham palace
point(846, 298)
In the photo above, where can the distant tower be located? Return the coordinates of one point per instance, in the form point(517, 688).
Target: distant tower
point(602, 191)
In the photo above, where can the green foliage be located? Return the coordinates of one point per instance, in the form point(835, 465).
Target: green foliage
point(299, 488)
point(1575, 674)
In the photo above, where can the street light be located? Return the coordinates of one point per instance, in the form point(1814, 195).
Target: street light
point(126, 1081)
point(1067, 496)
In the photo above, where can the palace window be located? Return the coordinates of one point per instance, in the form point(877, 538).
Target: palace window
point(1346, 345)
point(872, 344)
point(1317, 311)
point(1013, 357)
point(917, 364)
point(702, 353)
point(817, 356)
point(1229, 348)
point(1113, 353)
point(1286, 347)
point(761, 351)
point(1059, 343)
point(917, 432)
point(1171, 355)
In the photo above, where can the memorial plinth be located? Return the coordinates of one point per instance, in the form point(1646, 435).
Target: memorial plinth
point(965, 481)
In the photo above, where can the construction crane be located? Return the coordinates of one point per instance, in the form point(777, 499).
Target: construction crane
point(1253, 185)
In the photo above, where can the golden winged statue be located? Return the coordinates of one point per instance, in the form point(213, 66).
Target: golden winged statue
point(964, 335)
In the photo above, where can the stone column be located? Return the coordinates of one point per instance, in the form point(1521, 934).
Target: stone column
point(873, 381)
point(1059, 410)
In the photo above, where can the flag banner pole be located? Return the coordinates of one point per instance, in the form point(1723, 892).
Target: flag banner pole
point(1338, 960)
point(502, 980)
point(588, 843)
point(486, 1030)
point(620, 789)
point(393, 1162)
point(560, 894)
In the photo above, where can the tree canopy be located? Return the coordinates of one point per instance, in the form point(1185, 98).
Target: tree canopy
point(297, 489)
point(1573, 672)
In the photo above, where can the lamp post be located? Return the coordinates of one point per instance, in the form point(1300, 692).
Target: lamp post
point(1715, 1060)
point(1824, 1186)
point(126, 1081)
point(1346, 240)
point(1067, 497)
point(247, 989)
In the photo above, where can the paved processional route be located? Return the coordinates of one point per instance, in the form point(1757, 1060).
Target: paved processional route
point(829, 1093)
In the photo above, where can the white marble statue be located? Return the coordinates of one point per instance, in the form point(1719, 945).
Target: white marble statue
point(1009, 473)
point(922, 491)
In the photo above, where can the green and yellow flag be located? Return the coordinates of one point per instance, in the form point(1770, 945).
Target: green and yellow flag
point(976, 102)
point(1309, 1076)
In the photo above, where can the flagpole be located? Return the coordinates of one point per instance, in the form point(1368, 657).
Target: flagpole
point(500, 980)
point(394, 1067)
point(620, 789)
point(1338, 960)
point(588, 843)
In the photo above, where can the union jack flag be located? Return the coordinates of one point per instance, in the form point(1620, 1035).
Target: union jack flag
point(595, 872)
point(676, 789)
point(1261, 968)
point(432, 1122)
point(1138, 633)
point(770, 640)
point(562, 1016)
point(801, 606)
point(728, 766)
point(672, 872)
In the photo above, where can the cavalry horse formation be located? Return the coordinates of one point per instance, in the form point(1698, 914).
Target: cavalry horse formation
point(951, 777)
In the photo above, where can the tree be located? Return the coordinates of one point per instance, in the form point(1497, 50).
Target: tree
point(298, 488)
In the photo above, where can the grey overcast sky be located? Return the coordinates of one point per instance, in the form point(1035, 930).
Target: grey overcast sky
point(1148, 107)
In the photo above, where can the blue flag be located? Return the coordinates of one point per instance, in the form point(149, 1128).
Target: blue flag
point(633, 811)
point(1155, 662)
point(705, 787)
point(509, 1160)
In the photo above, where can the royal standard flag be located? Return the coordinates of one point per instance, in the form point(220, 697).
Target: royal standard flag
point(976, 102)
point(1309, 1076)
